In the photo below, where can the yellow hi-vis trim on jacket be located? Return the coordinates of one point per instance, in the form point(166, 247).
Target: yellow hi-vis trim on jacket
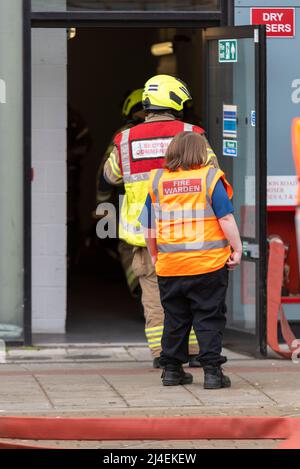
point(136, 191)
point(190, 240)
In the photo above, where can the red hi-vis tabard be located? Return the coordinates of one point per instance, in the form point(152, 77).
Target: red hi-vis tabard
point(143, 147)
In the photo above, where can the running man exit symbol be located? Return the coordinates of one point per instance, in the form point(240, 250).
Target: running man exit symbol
point(228, 50)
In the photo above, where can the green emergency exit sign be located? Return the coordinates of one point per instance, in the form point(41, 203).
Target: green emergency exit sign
point(228, 50)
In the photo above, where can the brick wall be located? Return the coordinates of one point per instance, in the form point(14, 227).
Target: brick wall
point(49, 121)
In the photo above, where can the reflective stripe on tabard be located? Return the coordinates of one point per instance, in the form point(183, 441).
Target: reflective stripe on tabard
point(124, 149)
point(130, 228)
point(155, 183)
point(209, 179)
point(197, 246)
point(188, 127)
point(173, 215)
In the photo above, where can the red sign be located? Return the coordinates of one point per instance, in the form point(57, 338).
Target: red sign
point(280, 22)
point(182, 186)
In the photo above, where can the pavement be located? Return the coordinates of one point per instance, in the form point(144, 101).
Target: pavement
point(118, 381)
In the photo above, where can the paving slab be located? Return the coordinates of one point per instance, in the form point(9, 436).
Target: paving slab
point(76, 391)
point(282, 387)
point(21, 393)
point(154, 444)
point(119, 381)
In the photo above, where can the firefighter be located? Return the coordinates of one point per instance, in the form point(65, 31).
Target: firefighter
point(136, 152)
point(191, 249)
point(133, 114)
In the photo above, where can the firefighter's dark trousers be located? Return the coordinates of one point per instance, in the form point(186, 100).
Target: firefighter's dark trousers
point(198, 301)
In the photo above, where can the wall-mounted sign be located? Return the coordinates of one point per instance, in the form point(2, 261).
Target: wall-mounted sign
point(280, 22)
point(282, 190)
point(228, 50)
point(229, 121)
point(253, 118)
point(230, 148)
point(2, 91)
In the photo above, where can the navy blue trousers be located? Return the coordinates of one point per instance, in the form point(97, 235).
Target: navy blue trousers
point(198, 301)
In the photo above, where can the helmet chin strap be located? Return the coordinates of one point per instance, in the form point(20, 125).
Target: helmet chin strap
point(177, 114)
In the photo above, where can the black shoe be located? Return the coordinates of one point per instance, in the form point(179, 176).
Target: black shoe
point(194, 362)
point(214, 378)
point(156, 363)
point(174, 378)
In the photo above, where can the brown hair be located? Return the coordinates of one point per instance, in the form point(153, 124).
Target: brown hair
point(187, 150)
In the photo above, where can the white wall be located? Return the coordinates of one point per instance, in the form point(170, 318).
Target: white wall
point(49, 122)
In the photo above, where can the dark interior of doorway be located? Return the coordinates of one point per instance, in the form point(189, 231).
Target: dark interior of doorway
point(103, 65)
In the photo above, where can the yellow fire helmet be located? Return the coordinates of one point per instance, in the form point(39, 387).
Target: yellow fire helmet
point(132, 100)
point(165, 92)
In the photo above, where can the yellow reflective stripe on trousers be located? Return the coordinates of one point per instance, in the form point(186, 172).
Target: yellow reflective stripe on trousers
point(133, 202)
point(193, 339)
point(156, 328)
point(154, 334)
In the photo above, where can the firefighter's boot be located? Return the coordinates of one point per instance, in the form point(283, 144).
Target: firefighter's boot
point(214, 378)
point(194, 362)
point(156, 363)
point(175, 377)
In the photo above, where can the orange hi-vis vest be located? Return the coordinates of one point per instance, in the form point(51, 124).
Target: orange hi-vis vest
point(190, 240)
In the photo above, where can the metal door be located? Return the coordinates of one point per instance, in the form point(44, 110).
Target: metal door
point(235, 114)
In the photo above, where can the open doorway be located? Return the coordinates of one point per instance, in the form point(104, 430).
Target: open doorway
point(89, 75)
point(103, 66)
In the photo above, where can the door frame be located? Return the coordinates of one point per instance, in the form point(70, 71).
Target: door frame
point(260, 173)
point(225, 17)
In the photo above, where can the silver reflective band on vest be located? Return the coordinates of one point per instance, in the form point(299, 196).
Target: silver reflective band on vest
point(155, 183)
point(124, 148)
point(130, 228)
point(210, 177)
point(183, 214)
point(188, 127)
point(197, 246)
point(136, 177)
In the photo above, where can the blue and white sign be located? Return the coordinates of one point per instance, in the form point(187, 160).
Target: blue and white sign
point(253, 118)
point(229, 121)
point(230, 148)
